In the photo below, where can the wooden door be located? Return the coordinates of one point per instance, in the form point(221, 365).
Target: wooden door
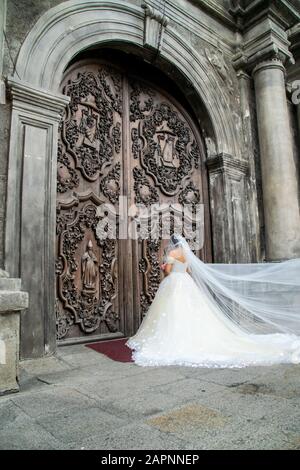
point(120, 137)
point(167, 169)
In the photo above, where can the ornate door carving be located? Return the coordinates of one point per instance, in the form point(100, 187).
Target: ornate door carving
point(119, 136)
point(167, 167)
point(89, 171)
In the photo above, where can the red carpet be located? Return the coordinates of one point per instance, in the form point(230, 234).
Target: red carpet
point(114, 349)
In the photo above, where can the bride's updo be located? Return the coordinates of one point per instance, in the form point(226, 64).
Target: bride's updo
point(174, 239)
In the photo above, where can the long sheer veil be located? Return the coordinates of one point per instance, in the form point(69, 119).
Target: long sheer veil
point(264, 298)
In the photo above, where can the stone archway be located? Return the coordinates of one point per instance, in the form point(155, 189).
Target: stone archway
point(36, 113)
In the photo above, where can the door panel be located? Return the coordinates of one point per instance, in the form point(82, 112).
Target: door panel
point(166, 169)
point(90, 169)
point(120, 136)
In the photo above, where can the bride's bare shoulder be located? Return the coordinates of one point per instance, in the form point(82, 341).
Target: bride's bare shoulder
point(177, 253)
point(174, 252)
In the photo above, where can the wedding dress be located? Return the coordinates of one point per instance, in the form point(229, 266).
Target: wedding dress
point(189, 323)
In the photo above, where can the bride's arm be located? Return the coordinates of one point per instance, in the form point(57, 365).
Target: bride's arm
point(168, 269)
point(168, 265)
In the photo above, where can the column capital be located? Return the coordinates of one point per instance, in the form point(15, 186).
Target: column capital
point(248, 61)
point(272, 63)
point(241, 74)
point(226, 164)
point(264, 28)
point(37, 100)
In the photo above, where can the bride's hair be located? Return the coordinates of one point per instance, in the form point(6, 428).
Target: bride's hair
point(174, 239)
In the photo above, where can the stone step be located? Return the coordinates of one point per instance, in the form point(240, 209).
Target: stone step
point(10, 283)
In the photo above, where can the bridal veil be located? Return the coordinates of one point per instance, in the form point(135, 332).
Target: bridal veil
point(261, 298)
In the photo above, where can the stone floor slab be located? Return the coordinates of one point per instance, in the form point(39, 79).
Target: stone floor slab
point(83, 399)
point(52, 400)
point(80, 424)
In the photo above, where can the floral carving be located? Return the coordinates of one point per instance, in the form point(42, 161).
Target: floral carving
point(63, 322)
point(110, 184)
point(190, 195)
point(67, 177)
point(116, 134)
point(137, 142)
point(109, 284)
point(144, 192)
point(149, 266)
point(140, 106)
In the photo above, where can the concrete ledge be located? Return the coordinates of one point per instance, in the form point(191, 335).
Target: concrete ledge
point(10, 283)
point(12, 302)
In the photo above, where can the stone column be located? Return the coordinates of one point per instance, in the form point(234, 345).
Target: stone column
point(12, 302)
point(279, 177)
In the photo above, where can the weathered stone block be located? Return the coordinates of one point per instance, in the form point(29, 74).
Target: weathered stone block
point(9, 351)
point(12, 302)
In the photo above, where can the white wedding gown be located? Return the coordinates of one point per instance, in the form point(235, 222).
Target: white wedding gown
point(182, 328)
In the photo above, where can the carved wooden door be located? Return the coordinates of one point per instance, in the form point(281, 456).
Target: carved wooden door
point(120, 136)
point(166, 169)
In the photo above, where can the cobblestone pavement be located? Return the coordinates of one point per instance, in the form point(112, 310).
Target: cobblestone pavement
point(81, 399)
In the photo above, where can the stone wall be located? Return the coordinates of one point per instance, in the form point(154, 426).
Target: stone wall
point(21, 15)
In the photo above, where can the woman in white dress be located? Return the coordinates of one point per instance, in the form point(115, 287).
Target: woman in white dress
point(202, 316)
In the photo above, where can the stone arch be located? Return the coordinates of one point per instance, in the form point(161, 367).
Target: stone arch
point(50, 46)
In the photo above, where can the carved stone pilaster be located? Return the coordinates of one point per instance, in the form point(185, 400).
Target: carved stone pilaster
point(294, 38)
point(228, 187)
point(155, 23)
point(251, 156)
point(31, 194)
point(3, 8)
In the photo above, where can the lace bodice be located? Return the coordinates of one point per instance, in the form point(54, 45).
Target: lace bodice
point(178, 266)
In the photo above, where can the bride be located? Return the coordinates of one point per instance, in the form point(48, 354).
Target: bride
point(204, 316)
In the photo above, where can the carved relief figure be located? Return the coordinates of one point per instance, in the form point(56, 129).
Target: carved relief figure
point(218, 61)
point(166, 154)
point(88, 126)
point(89, 270)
